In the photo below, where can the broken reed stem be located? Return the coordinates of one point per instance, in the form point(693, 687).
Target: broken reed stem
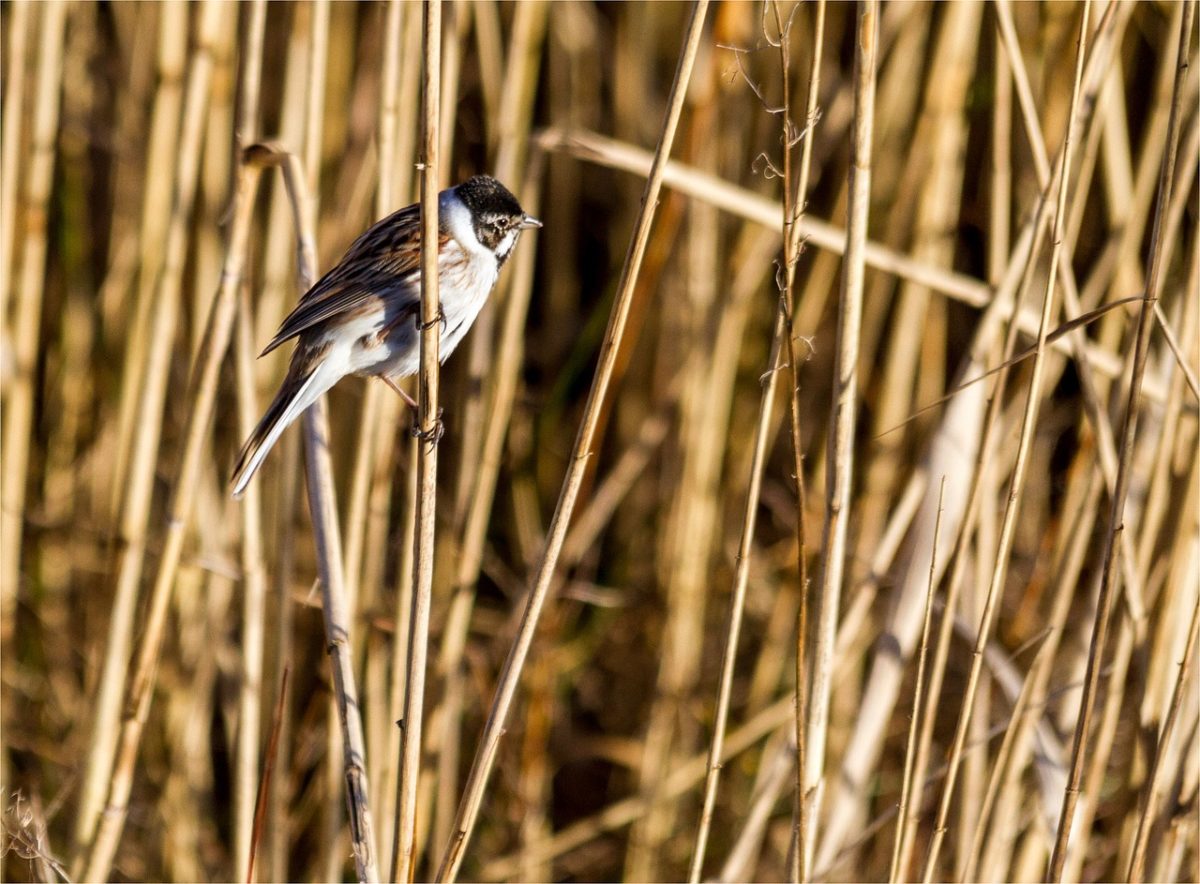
point(489, 741)
point(323, 510)
point(1017, 481)
point(260, 804)
point(404, 851)
point(844, 409)
point(1125, 460)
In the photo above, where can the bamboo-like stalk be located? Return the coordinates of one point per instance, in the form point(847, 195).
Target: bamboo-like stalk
point(138, 486)
point(369, 441)
point(844, 408)
point(490, 740)
point(404, 855)
point(203, 388)
point(1128, 431)
point(378, 536)
point(503, 370)
point(164, 152)
point(254, 578)
point(1016, 484)
point(14, 102)
point(19, 402)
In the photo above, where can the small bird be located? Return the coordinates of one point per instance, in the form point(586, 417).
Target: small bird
point(363, 316)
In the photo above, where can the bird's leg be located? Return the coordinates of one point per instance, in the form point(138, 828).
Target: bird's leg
point(409, 399)
point(435, 432)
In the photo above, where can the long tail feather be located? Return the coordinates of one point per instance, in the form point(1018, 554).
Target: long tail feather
point(299, 391)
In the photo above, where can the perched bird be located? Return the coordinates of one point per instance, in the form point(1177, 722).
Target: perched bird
point(363, 316)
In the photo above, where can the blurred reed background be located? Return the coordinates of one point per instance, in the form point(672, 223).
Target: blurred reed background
point(148, 619)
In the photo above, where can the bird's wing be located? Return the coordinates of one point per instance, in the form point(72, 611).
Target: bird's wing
point(386, 257)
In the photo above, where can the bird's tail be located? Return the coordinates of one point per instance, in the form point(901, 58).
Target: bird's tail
point(303, 385)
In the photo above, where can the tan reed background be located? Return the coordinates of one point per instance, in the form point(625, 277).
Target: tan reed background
point(979, 603)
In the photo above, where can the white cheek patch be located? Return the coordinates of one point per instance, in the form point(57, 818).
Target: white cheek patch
point(456, 219)
point(506, 245)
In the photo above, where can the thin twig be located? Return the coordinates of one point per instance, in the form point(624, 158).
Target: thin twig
point(906, 787)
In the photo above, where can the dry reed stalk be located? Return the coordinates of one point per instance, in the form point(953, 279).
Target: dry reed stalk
point(391, 660)
point(1072, 308)
point(158, 197)
point(773, 776)
point(358, 527)
point(844, 407)
point(1154, 783)
point(934, 172)
point(795, 190)
point(202, 390)
point(14, 103)
point(1020, 266)
point(754, 207)
point(512, 130)
point(323, 508)
point(688, 534)
point(248, 798)
point(19, 399)
point(799, 867)
point(906, 789)
point(470, 556)
point(738, 598)
point(1016, 483)
point(1128, 432)
point(404, 851)
point(137, 487)
point(490, 739)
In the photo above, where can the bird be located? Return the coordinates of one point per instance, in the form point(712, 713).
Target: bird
point(363, 316)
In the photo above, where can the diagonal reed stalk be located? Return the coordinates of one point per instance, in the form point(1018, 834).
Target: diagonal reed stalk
point(404, 855)
point(1017, 481)
point(1125, 456)
point(489, 742)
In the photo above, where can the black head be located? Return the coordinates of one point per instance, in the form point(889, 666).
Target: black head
point(496, 215)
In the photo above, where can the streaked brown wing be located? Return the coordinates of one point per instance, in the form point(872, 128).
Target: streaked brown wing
point(385, 258)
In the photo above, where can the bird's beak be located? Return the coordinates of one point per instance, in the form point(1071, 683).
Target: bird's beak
point(528, 222)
